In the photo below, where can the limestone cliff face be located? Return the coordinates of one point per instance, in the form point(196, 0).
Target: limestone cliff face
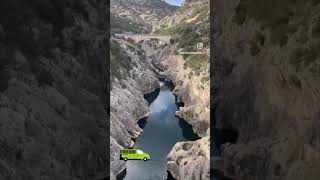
point(190, 74)
point(194, 92)
point(189, 160)
point(127, 104)
point(191, 11)
point(186, 159)
point(266, 87)
point(52, 90)
point(137, 15)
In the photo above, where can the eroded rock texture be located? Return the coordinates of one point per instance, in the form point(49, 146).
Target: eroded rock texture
point(266, 87)
point(130, 81)
point(137, 15)
point(53, 107)
point(193, 92)
point(190, 160)
point(196, 111)
point(190, 75)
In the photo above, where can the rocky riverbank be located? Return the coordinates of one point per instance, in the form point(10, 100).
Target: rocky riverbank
point(127, 103)
point(266, 83)
point(187, 159)
point(190, 159)
point(156, 59)
point(190, 75)
point(53, 105)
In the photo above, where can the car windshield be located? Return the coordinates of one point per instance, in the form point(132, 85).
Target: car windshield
point(139, 152)
point(124, 151)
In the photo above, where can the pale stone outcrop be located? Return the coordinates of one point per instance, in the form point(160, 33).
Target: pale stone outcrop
point(127, 104)
point(189, 160)
point(53, 108)
point(194, 94)
point(267, 87)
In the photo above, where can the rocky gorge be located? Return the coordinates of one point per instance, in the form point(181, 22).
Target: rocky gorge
point(190, 76)
point(266, 88)
point(127, 104)
point(187, 159)
point(54, 89)
point(160, 62)
point(53, 100)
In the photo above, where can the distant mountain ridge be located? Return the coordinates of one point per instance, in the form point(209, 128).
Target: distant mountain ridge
point(138, 15)
point(192, 11)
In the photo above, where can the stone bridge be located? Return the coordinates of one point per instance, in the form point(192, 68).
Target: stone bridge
point(140, 37)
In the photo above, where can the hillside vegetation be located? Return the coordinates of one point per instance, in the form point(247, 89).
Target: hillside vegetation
point(266, 87)
point(191, 24)
point(120, 61)
point(137, 16)
point(53, 84)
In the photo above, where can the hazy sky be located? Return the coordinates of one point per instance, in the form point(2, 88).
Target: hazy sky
point(175, 2)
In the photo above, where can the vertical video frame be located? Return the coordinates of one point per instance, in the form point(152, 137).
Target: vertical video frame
point(160, 89)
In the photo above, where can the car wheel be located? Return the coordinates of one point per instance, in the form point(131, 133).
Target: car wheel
point(125, 159)
point(144, 158)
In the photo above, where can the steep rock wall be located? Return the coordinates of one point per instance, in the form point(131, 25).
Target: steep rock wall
point(127, 103)
point(193, 92)
point(53, 90)
point(266, 86)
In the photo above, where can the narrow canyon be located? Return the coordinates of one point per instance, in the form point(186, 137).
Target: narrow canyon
point(144, 60)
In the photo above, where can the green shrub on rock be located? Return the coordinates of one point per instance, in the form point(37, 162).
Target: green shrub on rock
point(120, 62)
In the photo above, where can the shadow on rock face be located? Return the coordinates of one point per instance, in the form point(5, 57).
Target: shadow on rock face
point(223, 136)
point(170, 177)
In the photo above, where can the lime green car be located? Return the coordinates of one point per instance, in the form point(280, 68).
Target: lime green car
point(130, 154)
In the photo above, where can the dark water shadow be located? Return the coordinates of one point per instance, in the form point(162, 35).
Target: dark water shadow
point(122, 175)
point(187, 130)
point(185, 134)
point(218, 175)
point(142, 122)
point(150, 97)
point(169, 85)
point(170, 177)
point(223, 136)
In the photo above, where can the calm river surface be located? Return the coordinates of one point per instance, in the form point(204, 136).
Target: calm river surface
point(162, 130)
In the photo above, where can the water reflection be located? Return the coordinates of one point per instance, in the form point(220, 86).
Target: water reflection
point(162, 130)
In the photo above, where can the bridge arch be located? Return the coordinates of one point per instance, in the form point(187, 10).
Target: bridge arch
point(140, 37)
